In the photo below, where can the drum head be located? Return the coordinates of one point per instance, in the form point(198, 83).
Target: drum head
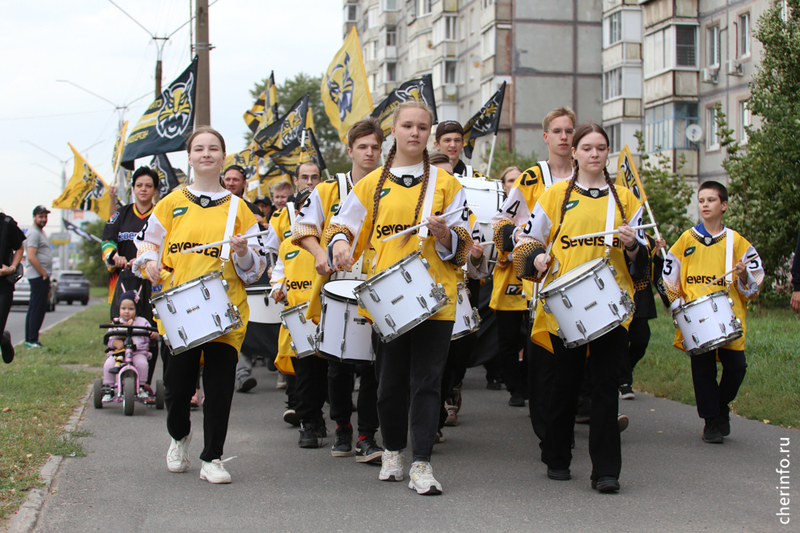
point(342, 288)
point(574, 274)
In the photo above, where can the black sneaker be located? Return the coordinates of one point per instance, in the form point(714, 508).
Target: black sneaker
point(322, 429)
point(516, 400)
point(343, 446)
point(246, 384)
point(606, 484)
point(559, 474)
point(724, 421)
point(309, 436)
point(711, 432)
point(368, 451)
point(6, 347)
point(290, 417)
point(626, 392)
point(494, 384)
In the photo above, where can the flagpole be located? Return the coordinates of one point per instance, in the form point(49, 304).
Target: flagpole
point(655, 227)
point(491, 155)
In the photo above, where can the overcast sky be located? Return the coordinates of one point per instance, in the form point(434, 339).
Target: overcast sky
point(93, 44)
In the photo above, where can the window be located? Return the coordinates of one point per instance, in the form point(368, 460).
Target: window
point(391, 72)
point(665, 126)
point(745, 120)
point(449, 28)
point(391, 36)
point(487, 43)
point(425, 7)
point(614, 28)
point(372, 18)
point(712, 45)
point(614, 133)
point(487, 4)
point(669, 48)
point(612, 84)
point(390, 5)
point(351, 13)
point(712, 130)
point(743, 39)
point(450, 72)
point(373, 81)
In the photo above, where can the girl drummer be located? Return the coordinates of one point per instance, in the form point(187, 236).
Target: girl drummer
point(568, 209)
point(410, 366)
point(199, 214)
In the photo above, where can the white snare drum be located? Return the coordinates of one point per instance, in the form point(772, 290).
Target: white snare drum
point(196, 312)
point(302, 330)
point(343, 334)
point(707, 323)
point(468, 320)
point(401, 297)
point(354, 273)
point(263, 309)
point(484, 198)
point(586, 302)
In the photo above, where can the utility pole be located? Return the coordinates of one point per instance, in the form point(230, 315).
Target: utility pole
point(202, 115)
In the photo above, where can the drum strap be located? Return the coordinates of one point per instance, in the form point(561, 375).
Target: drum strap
point(546, 176)
point(290, 212)
point(233, 208)
point(729, 255)
point(468, 173)
point(342, 179)
point(609, 238)
point(427, 205)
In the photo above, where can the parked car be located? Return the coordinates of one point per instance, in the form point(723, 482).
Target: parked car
point(71, 285)
point(22, 293)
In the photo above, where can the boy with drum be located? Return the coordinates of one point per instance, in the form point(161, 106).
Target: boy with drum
point(364, 147)
point(694, 268)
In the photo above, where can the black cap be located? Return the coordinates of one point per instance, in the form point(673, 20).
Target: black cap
point(263, 200)
point(39, 209)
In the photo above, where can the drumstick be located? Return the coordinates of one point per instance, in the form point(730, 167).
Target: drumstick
point(713, 281)
point(612, 232)
point(226, 241)
point(412, 228)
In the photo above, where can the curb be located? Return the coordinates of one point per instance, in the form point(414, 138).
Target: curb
point(25, 519)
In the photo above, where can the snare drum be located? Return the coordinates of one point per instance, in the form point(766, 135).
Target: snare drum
point(401, 297)
point(484, 198)
point(706, 323)
point(343, 334)
point(586, 302)
point(303, 331)
point(196, 312)
point(355, 272)
point(468, 319)
point(263, 309)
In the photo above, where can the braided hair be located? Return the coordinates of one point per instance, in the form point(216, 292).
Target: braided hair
point(582, 131)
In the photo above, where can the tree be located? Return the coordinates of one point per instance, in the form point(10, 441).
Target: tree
point(667, 192)
point(91, 261)
point(764, 191)
point(504, 158)
point(289, 92)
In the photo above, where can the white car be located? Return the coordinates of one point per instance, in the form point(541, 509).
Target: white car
point(22, 293)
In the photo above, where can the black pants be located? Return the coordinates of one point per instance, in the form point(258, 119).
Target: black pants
point(341, 379)
point(604, 440)
point(6, 297)
point(37, 307)
point(712, 396)
point(541, 375)
point(638, 338)
point(455, 368)
point(409, 372)
point(311, 387)
point(510, 341)
point(180, 382)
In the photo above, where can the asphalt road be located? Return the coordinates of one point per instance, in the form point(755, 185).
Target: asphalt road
point(16, 318)
point(489, 468)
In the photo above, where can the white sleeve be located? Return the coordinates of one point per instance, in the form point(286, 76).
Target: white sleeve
point(271, 241)
point(277, 275)
point(515, 208)
point(755, 273)
point(149, 239)
point(258, 261)
point(671, 275)
point(457, 219)
point(537, 228)
point(637, 220)
point(312, 214)
point(351, 215)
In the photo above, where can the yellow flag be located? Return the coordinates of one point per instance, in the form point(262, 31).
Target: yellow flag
point(85, 190)
point(627, 175)
point(119, 144)
point(310, 119)
point(345, 92)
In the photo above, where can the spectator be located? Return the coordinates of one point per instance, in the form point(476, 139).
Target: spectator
point(11, 250)
point(39, 268)
point(280, 194)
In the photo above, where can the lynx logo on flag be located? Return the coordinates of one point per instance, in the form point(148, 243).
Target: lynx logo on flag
point(293, 156)
point(627, 175)
point(265, 110)
point(165, 123)
point(119, 143)
point(485, 121)
point(420, 89)
point(168, 177)
point(85, 190)
point(244, 159)
point(344, 90)
point(284, 131)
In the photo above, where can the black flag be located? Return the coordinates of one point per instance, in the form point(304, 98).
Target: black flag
point(165, 124)
point(168, 177)
point(485, 121)
point(72, 227)
point(419, 89)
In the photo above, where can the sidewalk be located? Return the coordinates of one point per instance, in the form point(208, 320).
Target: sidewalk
point(489, 467)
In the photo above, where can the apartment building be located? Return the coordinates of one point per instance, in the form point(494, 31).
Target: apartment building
point(547, 51)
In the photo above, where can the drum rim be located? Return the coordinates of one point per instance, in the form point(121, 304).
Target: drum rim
point(339, 297)
point(716, 343)
point(699, 300)
point(414, 323)
point(550, 289)
point(292, 308)
point(186, 284)
point(392, 268)
point(203, 340)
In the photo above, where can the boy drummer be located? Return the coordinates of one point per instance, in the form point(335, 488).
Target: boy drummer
point(700, 255)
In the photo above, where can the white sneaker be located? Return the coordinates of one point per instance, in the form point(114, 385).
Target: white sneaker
point(422, 480)
point(214, 472)
point(281, 384)
point(391, 466)
point(178, 454)
point(107, 398)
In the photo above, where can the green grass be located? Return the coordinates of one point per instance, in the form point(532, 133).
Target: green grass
point(771, 388)
point(99, 292)
point(39, 391)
